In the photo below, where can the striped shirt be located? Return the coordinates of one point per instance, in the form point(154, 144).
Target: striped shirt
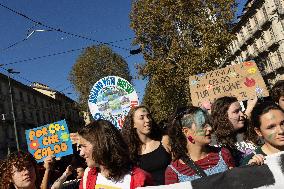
point(209, 161)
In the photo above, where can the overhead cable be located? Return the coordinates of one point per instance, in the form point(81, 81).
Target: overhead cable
point(60, 30)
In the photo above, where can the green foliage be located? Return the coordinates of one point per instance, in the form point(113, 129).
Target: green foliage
point(179, 38)
point(93, 64)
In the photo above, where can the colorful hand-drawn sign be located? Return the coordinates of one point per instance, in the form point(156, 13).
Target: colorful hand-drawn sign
point(50, 139)
point(243, 81)
point(111, 99)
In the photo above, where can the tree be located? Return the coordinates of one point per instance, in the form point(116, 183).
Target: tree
point(93, 64)
point(179, 38)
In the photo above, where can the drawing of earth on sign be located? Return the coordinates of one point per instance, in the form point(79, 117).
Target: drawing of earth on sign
point(111, 99)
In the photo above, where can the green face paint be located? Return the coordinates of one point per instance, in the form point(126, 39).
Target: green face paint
point(144, 110)
point(200, 132)
point(271, 136)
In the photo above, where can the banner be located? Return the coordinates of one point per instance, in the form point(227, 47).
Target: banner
point(111, 99)
point(50, 139)
point(267, 176)
point(243, 81)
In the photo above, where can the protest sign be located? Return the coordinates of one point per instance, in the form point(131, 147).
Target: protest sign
point(50, 139)
point(111, 99)
point(266, 176)
point(243, 81)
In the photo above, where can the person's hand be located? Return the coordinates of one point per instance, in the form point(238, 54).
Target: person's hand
point(48, 161)
point(257, 159)
point(206, 105)
point(74, 138)
point(250, 105)
point(68, 170)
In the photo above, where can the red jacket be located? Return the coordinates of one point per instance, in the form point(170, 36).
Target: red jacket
point(139, 178)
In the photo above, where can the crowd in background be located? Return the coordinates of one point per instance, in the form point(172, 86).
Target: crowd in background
point(195, 142)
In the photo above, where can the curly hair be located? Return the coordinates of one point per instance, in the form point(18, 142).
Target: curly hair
point(131, 137)
point(277, 91)
point(109, 148)
point(183, 117)
point(20, 160)
point(260, 109)
point(222, 126)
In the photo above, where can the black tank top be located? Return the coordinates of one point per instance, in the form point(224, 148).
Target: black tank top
point(156, 163)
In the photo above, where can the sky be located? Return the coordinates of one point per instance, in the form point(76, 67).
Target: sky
point(47, 56)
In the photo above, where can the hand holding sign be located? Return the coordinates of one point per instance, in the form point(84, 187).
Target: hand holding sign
point(48, 140)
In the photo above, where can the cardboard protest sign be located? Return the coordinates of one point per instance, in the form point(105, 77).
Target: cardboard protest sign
point(243, 81)
point(50, 139)
point(111, 99)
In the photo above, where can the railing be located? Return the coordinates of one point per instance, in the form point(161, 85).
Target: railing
point(261, 23)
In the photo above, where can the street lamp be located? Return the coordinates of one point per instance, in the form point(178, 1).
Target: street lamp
point(11, 71)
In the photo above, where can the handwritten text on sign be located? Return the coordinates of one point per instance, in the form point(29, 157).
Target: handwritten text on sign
point(111, 98)
point(243, 81)
point(50, 139)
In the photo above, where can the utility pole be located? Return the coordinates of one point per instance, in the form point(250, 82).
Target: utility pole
point(10, 71)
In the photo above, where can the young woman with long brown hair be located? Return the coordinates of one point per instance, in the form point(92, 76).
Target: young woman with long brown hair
point(149, 149)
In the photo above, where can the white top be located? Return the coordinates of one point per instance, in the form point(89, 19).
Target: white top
point(104, 183)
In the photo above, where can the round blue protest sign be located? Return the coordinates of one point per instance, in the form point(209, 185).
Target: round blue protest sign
point(111, 98)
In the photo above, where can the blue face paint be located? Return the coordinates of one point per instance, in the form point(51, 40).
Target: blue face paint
point(199, 119)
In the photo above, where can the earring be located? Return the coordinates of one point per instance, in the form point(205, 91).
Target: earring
point(190, 139)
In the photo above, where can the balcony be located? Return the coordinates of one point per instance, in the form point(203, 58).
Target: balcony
point(267, 71)
point(253, 30)
point(261, 23)
point(267, 46)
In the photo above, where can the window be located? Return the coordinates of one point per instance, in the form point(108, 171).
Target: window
point(255, 19)
point(264, 12)
point(21, 96)
point(24, 114)
point(28, 98)
point(1, 109)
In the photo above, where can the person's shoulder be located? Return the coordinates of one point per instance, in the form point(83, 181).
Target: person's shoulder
point(225, 151)
point(166, 143)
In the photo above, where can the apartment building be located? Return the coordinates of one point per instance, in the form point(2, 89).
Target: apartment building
point(34, 106)
point(260, 37)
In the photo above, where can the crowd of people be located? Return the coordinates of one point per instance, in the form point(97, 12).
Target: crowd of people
point(197, 142)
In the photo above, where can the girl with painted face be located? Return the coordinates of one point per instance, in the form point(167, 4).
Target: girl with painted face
point(267, 119)
point(190, 136)
point(18, 171)
point(148, 148)
point(107, 157)
point(230, 126)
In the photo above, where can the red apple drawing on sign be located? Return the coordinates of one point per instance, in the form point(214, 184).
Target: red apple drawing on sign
point(249, 82)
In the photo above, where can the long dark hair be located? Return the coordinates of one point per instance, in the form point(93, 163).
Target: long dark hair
point(277, 91)
point(109, 148)
point(222, 126)
point(183, 117)
point(20, 160)
point(131, 137)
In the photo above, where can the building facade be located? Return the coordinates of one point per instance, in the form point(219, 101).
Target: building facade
point(260, 37)
point(34, 106)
